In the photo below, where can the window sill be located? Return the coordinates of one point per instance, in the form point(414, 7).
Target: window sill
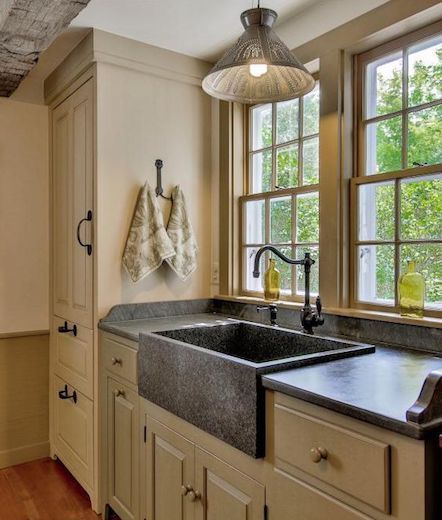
point(351, 313)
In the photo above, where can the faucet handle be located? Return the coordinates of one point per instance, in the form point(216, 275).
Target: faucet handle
point(318, 305)
point(320, 318)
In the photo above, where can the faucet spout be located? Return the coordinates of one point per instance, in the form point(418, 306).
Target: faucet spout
point(309, 318)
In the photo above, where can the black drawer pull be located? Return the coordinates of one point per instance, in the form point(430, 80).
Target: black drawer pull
point(64, 329)
point(63, 394)
point(88, 218)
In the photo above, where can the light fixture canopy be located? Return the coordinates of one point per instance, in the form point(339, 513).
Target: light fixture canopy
point(259, 68)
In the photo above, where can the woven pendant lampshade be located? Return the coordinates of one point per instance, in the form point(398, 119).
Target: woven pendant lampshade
point(259, 68)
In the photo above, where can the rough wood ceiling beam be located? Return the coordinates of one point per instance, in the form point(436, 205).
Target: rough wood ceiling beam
point(27, 27)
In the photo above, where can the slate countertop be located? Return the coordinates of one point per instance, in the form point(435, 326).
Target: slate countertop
point(376, 388)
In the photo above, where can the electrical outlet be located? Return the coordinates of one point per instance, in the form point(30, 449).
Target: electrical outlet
point(215, 272)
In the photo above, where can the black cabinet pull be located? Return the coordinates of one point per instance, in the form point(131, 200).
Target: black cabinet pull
point(64, 329)
point(88, 218)
point(63, 394)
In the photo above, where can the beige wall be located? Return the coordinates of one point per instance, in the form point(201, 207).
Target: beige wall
point(24, 397)
point(24, 269)
point(24, 213)
point(143, 117)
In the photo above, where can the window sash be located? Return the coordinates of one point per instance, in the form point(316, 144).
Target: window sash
point(400, 46)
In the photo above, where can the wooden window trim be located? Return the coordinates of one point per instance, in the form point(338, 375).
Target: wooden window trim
point(362, 178)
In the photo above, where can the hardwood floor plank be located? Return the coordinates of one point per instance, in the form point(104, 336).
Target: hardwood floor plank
point(42, 490)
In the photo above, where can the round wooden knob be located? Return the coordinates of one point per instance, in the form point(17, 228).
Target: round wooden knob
point(185, 490)
point(194, 495)
point(116, 361)
point(317, 454)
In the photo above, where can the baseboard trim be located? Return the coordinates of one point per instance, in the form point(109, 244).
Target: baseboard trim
point(24, 454)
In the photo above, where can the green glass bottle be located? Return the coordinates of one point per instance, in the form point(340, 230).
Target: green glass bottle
point(411, 292)
point(272, 282)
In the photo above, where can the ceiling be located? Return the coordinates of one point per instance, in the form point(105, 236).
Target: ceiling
point(204, 28)
point(200, 28)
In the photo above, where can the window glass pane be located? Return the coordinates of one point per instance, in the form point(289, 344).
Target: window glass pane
point(281, 220)
point(251, 283)
point(376, 211)
point(421, 207)
point(310, 165)
point(428, 258)
point(311, 112)
point(262, 171)
point(255, 222)
point(285, 270)
point(261, 126)
point(376, 274)
point(287, 121)
point(384, 146)
point(307, 217)
point(425, 72)
point(314, 273)
point(287, 166)
point(425, 136)
point(383, 85)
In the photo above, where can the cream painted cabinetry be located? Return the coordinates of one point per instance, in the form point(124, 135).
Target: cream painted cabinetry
point(186, 482)
point(121, 436)
point(72, 370)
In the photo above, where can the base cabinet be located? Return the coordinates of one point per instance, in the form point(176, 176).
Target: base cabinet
point(122, 452)
point(185, 482)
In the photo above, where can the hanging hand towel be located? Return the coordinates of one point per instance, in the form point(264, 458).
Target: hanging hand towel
point(183, 239)
point(147, 243)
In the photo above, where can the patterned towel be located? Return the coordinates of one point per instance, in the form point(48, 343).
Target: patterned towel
point(148, 244)
point(182, 237)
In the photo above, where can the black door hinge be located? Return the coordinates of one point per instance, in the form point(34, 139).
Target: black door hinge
point(145, 433)
point(266, 513)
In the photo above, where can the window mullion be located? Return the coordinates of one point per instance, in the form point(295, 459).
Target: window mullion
point(404, 108)
point(300, 140)
point(397, 210)
point(274, 139)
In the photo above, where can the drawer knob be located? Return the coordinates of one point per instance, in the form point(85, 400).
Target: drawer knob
point(194, 495)
point(119, 393)
point(317, 454)
point(117, 361)
point(185, 490)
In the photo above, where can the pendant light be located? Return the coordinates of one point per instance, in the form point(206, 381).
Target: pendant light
point(259, 68)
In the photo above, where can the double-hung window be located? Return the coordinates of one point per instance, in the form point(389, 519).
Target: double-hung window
point(397, 194)
point(282, 202)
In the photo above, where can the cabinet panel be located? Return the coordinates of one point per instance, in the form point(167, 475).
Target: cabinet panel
point(225, 492)
point(73, 432)
point(74, 356)
point(119, 359)
point(353, 463)
point(72, 178)
point(170, 466)
point(291, 499)
point(123, 442)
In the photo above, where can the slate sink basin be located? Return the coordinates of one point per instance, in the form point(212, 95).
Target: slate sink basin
point(210, 375)
point(259, 344)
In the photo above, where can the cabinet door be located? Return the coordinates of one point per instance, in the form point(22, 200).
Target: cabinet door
point(225, 492)
point(169, 467)
point(122, 431)
point(72, 172)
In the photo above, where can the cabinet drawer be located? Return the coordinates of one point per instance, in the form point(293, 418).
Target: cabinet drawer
point(119, 359)
point(73, 431)
point(74, 355)
point(348, 461)
point(289, 499)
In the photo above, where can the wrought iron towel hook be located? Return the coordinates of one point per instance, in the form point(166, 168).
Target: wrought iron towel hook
point(159, 189)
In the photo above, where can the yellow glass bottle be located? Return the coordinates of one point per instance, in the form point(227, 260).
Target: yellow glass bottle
point(411, 292)
point(272, 282)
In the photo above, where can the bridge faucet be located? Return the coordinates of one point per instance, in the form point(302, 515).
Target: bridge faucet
point(309, 317)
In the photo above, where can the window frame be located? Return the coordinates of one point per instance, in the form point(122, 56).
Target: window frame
point(360, 177)
point(267, 196)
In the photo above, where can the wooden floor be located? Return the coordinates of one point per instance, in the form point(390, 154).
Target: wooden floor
point(42, 490)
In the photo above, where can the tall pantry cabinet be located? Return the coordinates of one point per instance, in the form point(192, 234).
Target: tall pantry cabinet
point(73, 394)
